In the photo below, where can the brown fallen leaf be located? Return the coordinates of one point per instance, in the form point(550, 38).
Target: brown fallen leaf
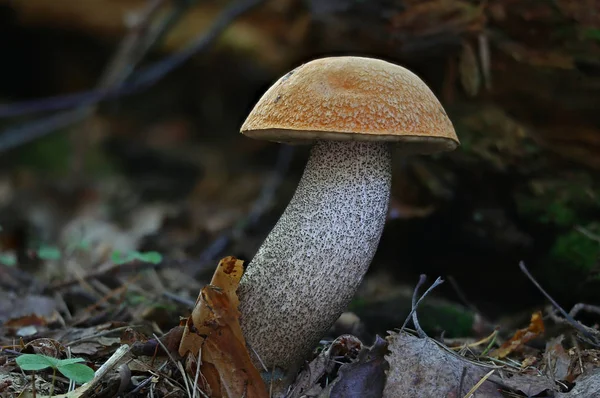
point(31, 310)
point(521, 337)
point(213, 331)
point(530, 384)
point(365, 377)
point(586, 385)
point(419, 368)
point(44, 346)
point(308, 382)
point(557, 360)
point(140, 345)
point(24, 321)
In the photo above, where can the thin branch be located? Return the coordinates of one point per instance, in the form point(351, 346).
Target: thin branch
point(132, 49)
point(577, 308)
point(564, 313)
point(157, 71)
point(471, 392)
point(263, 202)
point(22, 134)
point(553, 314)
point(30, 131)
point(461, 295)
point(415, 303)
point(587, 233)
point(265, 199)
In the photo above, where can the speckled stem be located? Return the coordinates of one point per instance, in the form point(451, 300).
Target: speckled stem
point(309, 267)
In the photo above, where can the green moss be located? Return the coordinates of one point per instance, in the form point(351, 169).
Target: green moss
point(53, 155)
point(592, 33)
point(169, 307)
point(448, 317)
point(357, 304)
point(554, 212)
point(50, 154)
point(566, 204)
point(134, 298)
point(579, 251)
point(562, 202)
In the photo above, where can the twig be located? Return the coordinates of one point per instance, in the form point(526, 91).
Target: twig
point(179, 299)
point(594, 309)
point(198, 361)
point(490, 339)
point(422, 279)
point(134, 47)
point(463, 374)
point(260, 361)
point(146, 77)
point(552, 313)
point(85, 388)
point(131, 51)
point(587, 233)
point(415, 303)
point(262, 203)
point(485, 59)
point(461, 295)
point(146, 381)
point(160, 69)
point(265, 199)
point(479, 384)
point(23, 134)
point(16, 136)
point(103, 270)
point(591, 339)
point(101, 334)
point(112, 361)
point(179, 366)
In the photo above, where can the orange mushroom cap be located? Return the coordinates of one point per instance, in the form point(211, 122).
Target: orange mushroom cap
point(352, 98)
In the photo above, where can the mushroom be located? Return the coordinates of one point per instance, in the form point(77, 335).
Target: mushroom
point(309, 267)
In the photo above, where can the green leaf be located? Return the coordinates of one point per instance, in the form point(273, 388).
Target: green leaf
point(150, 257)
point(75, 244)
point(35, 362)
point(122, 258)
point(147, 257)
point(592, 34)
point(68, 361)
point(49, 253)
point(85, 244)
point(135, 298)
point(8, 259)
point(77, 372)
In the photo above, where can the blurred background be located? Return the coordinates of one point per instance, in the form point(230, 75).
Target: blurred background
point(119, 131)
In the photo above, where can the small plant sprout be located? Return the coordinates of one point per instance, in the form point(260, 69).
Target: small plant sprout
point(8, 258)
point(145, 257)
point(71, 368)
point(46, 252)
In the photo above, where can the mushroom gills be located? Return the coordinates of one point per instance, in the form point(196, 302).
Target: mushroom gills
point(317, 253)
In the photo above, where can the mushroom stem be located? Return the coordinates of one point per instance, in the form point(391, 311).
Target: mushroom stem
point(309, 267)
